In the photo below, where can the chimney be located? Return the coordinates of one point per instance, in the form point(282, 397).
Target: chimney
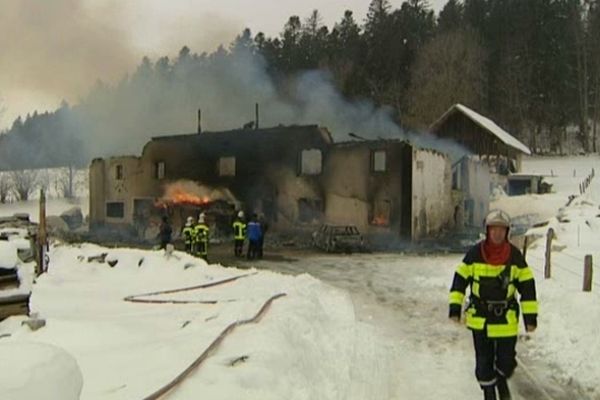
point(256, 116)
point(199, 120)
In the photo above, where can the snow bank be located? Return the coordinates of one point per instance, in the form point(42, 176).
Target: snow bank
point(569, 316)
point(306, 346)
point(37, 371)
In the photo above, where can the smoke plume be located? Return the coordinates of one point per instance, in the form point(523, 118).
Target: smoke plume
point(162, 96)
point(60, 46)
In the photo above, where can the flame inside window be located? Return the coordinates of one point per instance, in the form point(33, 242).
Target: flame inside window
point(381, 213)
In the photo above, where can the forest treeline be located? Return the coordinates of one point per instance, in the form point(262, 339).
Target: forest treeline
point(531, 65)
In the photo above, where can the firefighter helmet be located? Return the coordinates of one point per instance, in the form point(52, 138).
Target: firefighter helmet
point(190, 220)
point(240, 214)
point(201, 218)
point(497, 218)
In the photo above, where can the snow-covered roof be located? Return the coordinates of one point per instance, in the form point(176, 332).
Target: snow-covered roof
point(486, 124)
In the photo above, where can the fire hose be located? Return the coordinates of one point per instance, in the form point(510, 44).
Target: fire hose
point(215, 343)
point(135, 298)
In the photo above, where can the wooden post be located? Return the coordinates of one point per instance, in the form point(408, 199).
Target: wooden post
point(547, 265)
point(525, 244)
point(42, 239)
point(587, 273)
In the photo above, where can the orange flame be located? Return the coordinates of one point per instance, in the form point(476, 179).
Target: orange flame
point(379, 221)
point(177, 196)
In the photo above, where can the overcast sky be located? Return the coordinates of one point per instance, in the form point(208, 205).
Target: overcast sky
point(54, 50)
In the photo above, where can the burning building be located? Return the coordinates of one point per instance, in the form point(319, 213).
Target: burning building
point(294, 175)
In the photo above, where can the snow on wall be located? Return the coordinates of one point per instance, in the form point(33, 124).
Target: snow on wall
point(8, 255)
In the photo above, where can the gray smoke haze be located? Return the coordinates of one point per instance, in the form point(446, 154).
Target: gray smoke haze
point(60, 46)
point(162, 98)
point(64, 46)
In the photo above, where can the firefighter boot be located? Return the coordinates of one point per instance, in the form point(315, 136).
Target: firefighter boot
point(489, 393)
point(503, 390)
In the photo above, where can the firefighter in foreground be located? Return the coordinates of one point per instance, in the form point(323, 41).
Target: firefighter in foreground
point(496, 271)
point(201, 234)
point(239, 234)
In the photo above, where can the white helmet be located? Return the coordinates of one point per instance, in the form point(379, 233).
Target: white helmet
point(190, 219)
point(201, 218)
point(241, 214)
point(497, 218)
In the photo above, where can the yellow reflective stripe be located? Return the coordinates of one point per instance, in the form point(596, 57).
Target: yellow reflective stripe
point(456, 297)
point(473, 322)
point(238, 228)
point(511, 291)
point(502, 330)
point(525, 274)
point(487, 270)
point(464, 270)
point(529, 307)
point(492, 271)
point(511, 328)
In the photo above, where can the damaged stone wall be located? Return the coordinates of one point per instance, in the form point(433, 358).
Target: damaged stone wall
point(295, 176)
point(346, 181)
point(262, 169)
point(114, 183)
point(367, 184)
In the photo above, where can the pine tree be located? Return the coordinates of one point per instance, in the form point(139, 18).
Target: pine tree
point(451, 17)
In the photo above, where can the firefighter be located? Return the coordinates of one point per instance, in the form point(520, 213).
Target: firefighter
point(495, 271)
point(164, 232)
point(254, 235)
point(239, 234)
point(188, 234)
point(201, 234)
point(264, 226)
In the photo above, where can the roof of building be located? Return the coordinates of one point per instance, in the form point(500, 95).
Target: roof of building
point(484, 123)
point(281, 130)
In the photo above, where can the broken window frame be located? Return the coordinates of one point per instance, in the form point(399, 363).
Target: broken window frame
point(160, 168)
point(307, 166)
point(115, 209)
point(227, 166)
point(310, 210)
point(119, 172)
point(375, 168)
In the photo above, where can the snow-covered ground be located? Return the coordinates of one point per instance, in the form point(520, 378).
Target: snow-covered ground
point(370, 327)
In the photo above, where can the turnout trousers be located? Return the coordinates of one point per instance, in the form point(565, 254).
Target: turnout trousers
point(494, 358)
point(238, 247)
